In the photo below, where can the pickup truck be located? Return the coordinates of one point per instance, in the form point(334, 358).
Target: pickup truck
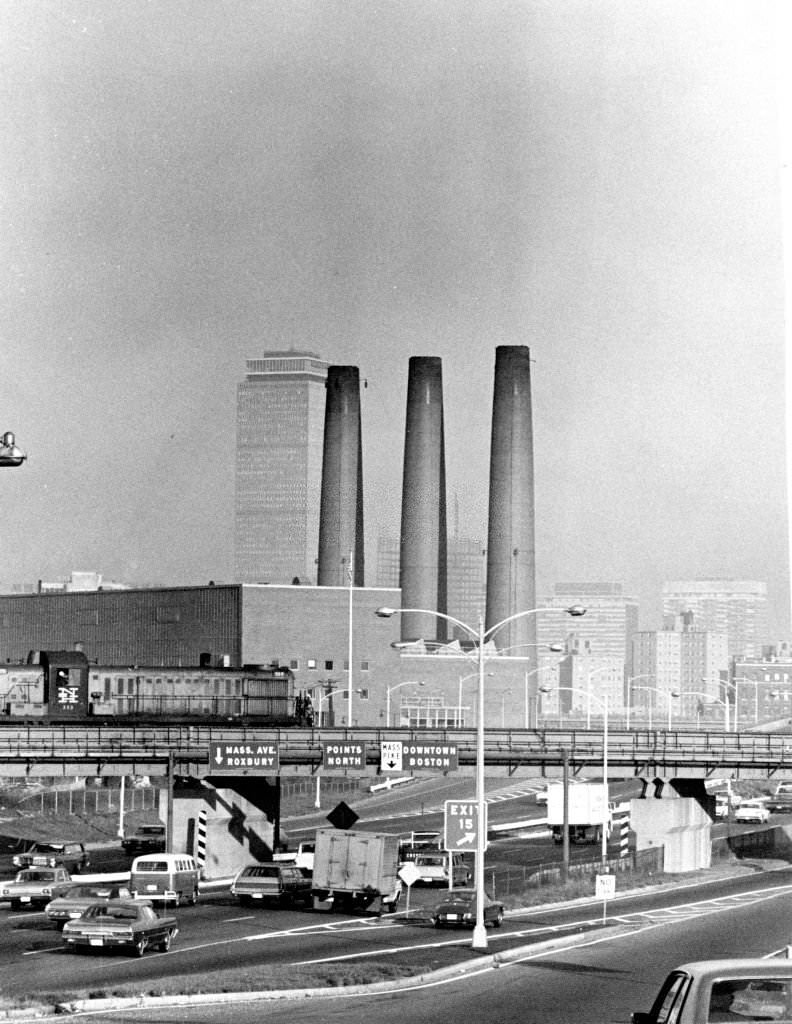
point(723, 990)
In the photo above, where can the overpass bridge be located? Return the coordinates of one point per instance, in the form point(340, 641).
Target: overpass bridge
point(162, 750)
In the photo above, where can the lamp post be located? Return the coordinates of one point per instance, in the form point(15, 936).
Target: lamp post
point(481, 635)
point(10, 455)
point(325, 696)
point(603, 702)
point(714, 700)
point(667, 694)
point(630, 681)
point(390, 689)
point(756, 683)
point(594, 671)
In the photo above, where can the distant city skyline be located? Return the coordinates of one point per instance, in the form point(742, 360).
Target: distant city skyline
point(600, 182)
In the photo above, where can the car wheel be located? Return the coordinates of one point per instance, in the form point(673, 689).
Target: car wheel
point(193, 898)
point(498, 920)
point(140, 946)
point(165, 945)
point(16, 905)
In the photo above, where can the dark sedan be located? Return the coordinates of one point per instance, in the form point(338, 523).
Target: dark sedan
point(77, 898)
point(121, 924)
point(458, 907)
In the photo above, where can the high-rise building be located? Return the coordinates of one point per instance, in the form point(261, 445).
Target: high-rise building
point(737, 608)
point(280, 438)
point(604, 631)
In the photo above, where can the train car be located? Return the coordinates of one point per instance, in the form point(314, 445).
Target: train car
point(63, 686)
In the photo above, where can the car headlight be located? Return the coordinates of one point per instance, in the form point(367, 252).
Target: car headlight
point(46, 892)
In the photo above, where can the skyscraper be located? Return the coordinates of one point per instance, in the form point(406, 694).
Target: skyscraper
point(280, 431)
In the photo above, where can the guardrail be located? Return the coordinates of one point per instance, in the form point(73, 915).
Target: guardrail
point(637, 752)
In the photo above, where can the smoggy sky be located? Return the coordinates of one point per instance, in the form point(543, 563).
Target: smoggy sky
point(190, 183)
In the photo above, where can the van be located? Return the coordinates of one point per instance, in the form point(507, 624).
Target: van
point(166, 877)
point(433, 869)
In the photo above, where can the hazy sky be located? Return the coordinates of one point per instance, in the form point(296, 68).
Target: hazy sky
point(189, 183)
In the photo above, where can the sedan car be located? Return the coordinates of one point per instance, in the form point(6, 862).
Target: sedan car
point(458, 907)
point(121, 924)
point(77, 898)
point(721, 990)
point(752, 810)
point(145, 839)
point(35, 887)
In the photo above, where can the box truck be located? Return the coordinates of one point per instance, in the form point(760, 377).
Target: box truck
point(355, 870)
point(587, 811)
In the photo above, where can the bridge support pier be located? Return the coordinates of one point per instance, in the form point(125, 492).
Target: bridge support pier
point(674, 813)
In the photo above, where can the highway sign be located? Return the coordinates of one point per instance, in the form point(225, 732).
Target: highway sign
point(409, 873)
point(604, 887)
point(397, 756)
point(243, 759)
point(391, 756)
point(340, 756)
point(460, 830)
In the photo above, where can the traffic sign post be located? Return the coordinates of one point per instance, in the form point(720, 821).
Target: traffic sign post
point(461, 825)
point(604, 889)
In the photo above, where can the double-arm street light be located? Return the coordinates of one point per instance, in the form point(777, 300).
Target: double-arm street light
point(481, 636)
point(603, 702)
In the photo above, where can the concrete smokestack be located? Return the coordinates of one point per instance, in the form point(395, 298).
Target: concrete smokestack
point(424, 541)
point(341, 508)
point(511, 548)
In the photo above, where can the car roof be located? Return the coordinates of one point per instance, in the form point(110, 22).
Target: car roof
point(771, 966)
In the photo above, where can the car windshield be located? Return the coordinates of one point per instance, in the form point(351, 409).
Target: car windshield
point(751, 999)
point(152, 865)
point(35, 876)
point(113, 913)
point(82, 892)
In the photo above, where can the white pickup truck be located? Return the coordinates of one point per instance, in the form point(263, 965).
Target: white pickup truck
point(302, 857)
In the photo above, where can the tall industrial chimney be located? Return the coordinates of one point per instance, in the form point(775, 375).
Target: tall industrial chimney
point(511, 548)
point(341, 508)
point(424, 541)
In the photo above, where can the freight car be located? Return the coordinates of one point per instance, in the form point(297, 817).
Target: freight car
point(64, 686)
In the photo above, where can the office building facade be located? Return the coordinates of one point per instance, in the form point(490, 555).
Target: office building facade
point(279, 450)
point(737, 608)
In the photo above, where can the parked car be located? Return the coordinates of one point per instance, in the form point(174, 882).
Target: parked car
point(35, 887)
point(433, 868)
point(121, 924)
point(72, 856)
point(458, 907)
point(280, 883)
point(781, 800)
point(145, 839)
point(752, 810)
point(77, 898)
point(720, 990)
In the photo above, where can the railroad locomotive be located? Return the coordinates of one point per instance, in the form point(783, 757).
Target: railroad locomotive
point(63, 686)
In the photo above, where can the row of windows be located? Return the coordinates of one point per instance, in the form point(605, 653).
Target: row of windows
point(312, 664)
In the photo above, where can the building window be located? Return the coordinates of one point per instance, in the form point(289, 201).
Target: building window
point(364, 666)
point(328, 666)
point(363, 693)
point(312, 663)
point(294, 664)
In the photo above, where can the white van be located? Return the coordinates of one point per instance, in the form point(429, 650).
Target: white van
point(169, 877)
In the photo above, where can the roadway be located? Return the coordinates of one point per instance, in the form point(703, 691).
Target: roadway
point(587, 971)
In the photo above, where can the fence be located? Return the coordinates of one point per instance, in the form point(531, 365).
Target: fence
point(90, 801)
point(514, 880)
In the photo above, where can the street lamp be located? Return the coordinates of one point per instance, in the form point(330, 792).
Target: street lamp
point(10, 455)
point(325, 696)
point(594, 671)
point(668, 694)
point(630, 681)
point(714, 700)
point(408, 682)
point(756, 683)
point(481, 635)
point(603, 702)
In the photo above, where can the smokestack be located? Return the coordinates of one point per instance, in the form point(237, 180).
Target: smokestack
point(423, 522)
point(341, 508)
point(511, 549)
